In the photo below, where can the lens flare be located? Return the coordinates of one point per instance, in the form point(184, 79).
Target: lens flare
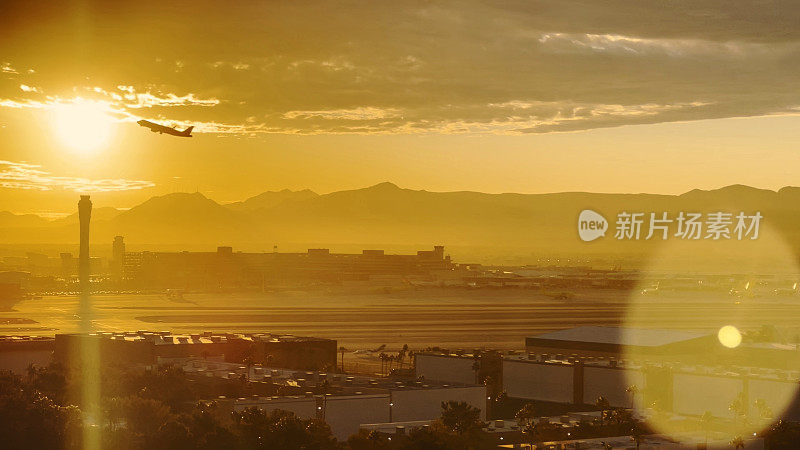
point(727, 331)
point(729, 336)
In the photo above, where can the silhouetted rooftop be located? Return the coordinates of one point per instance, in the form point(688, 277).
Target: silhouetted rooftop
point(634, 337)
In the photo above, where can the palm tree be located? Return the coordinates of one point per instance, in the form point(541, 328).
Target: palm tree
point(737, 442)
point(476, 367)
point(383, 357)
point(637, 433)
point(342, 350)
point(31, 372)
point(705, 423)
point(738, 408)
point(632, 390)
point(249, 357)
point(401, 355)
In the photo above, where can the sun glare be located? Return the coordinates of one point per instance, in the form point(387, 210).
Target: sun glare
point(83, 125)
point(729, 336)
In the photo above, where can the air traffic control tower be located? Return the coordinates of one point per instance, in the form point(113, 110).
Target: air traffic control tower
point(85, 215)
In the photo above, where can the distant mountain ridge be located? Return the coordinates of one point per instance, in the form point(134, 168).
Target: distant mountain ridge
point(271, 198)
point(385, 214)
point(102, 213)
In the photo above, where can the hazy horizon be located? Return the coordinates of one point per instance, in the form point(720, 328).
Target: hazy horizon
point(72, 197)
point(440, 96)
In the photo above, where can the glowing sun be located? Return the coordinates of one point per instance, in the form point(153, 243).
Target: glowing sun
point(83, 125)
point(729, 336)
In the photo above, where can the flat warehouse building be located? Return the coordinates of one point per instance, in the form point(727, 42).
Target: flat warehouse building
point(354, 401)
point(615, 342)
point(144, 347)
point(17, 353)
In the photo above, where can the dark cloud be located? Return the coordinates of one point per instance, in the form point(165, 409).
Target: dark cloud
point(389, 67)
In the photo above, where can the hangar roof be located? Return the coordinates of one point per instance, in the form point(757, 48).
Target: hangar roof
point(634, 337)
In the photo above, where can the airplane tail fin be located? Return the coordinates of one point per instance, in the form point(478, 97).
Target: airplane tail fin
point(188, 130)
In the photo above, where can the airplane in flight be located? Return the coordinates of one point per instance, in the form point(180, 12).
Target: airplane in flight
point(161, 129)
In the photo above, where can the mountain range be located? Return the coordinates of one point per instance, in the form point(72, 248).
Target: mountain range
point(388, 215)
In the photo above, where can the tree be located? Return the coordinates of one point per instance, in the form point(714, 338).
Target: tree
point(460, 417)
point(29, 419)
point(50, 381)
point(208, 426)
point(602, 403)
point(543, 429)
point(604, 406)
point(476, 368)
point(637, 433)
point(738, 407)
point(280, 430)
point(383, 357)
point(401, 356)
point(142, 418)
point(173, 435)
point(706, 422)
point(526, 415)
point(369, 440)
point(764, 411)
point(459, 427)
point(167, 384)
point(249, 357)
point(632, 390)
point(342, 351)
point(737, 442)
point(782, 435)
point(530, 431)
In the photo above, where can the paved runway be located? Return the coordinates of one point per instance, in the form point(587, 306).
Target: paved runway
point(452, 318)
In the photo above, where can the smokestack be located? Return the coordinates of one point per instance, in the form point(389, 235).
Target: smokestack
point(85, 215)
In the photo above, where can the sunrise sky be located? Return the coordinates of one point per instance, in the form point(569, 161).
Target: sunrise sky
point(527, 96)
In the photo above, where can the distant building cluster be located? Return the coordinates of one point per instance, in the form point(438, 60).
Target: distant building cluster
point(291, 373)
point(148, 348)
point(569, 368)
point(226, 269)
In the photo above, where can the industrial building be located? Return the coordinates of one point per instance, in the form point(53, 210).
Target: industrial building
point(17, 353)
point(686, 389)
point(226, 269)
point(147, 348)
point(348, 402)
point(616, 342)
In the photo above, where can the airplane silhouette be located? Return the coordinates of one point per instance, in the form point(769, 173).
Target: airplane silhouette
point(161, 129)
